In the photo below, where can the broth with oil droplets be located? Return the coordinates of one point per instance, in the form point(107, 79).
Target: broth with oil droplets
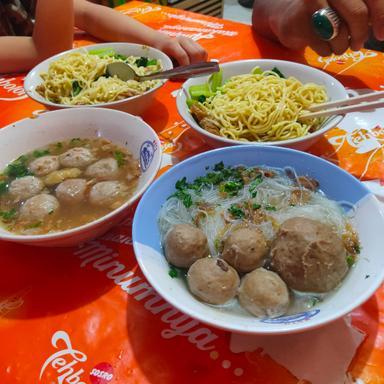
point(66, 184)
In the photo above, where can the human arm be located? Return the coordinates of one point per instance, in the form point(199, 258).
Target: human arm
point(53, 33)
point(289, 21)
point(109, 25)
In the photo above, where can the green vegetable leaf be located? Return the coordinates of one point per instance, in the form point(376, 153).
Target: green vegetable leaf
point(118, 56)
point(8, 215)
point(277, 71)
point(103, 52)
point(3, 187)
point(196, 91)
point(76, 89)
point(181, 184)
point(173, 272)
point(142, 62)
point(236, 212)
point(216, 80)
point(257, 71)
point(120, 158)
point(40, 153)
point(152, 62)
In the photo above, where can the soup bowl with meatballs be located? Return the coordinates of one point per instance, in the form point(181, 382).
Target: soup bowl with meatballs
point(68, 176)
point(261, 240)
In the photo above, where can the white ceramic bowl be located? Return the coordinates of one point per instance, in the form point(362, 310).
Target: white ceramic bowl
point(135, 105)
point(361, 282)
point(302, 72)
point(121, 128)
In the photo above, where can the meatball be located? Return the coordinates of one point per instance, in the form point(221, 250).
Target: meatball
point(184, 244)
point(106, 192)
point(245, 249)
point(71, 191)
point(212, 280)
point(25, 187)
point(264, 294)
point(44, 165)
point(38, 207)
point(104, 169)
point(308, 255)
point(76, 157)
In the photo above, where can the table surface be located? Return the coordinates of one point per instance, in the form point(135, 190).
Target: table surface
point(64, 320)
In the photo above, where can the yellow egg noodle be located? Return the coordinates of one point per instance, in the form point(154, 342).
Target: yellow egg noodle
point(264, 107)
point(93, 87)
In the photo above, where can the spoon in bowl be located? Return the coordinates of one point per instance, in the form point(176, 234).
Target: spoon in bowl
point(125, 72)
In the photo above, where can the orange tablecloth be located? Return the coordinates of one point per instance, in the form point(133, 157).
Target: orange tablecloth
point(64, 319)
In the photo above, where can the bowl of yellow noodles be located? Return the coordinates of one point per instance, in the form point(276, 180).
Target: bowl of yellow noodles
point(259, 102)
point(79, 77)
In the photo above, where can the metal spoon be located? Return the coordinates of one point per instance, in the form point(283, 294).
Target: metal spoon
point(125, 72)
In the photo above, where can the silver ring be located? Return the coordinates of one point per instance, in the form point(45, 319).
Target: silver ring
point(326, 23)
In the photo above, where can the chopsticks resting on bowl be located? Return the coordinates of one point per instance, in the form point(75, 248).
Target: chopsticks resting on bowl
point(342, 107)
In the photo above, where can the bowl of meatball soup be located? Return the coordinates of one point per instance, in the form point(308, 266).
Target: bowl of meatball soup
point(262, 240)
point(68, 176)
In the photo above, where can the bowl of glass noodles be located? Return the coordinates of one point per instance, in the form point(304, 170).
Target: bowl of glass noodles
point(260, 239)
point(79, 77)
point(259, 102)
point(76, 176)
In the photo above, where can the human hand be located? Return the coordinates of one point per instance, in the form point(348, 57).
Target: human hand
point(290, 22)
point(184, 50)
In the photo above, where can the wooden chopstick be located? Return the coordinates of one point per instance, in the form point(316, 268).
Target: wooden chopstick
point(343, 110)
point(350, 101)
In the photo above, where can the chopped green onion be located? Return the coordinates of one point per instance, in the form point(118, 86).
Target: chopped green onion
point(120, 158)
point(350, 260)
point(218, 167)
point(253, 185)
point(8, 215)
point(231, 187)
point(34, 225)
point(18, 168)
point(181, 184)
point(40, 153)
point(270, 208)
point(357, 248)
point(117, 56)
point(3, 187)
point(236, 212)
point(256, 206)
point(201, 98)
point(173, 272)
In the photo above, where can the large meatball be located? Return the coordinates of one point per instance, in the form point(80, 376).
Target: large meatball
point(308, 255)
point(104, 169)
point(76, 157)
point(245, 249)
point(184, 244)
point(212, 280)
point(44, 165)
point(105, 193)
point(25, 187)
point(71, 191)
point(38, 207)
point(264, 294)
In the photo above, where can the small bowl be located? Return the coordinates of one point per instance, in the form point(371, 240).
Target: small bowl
point(304, 73)
point(361, 282)
point(121, 128)
point(135, 105)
